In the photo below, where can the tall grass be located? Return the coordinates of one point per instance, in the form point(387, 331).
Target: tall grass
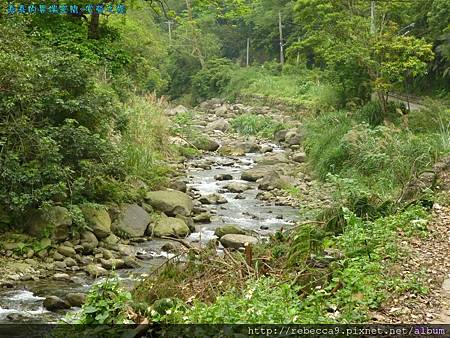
point(144, 141)
point(252, 124)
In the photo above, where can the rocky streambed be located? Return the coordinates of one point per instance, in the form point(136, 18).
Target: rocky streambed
point(235, 192)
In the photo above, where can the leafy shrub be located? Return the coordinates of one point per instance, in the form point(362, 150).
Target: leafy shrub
point(106, 303)
point(212, 79)
point(252, 124)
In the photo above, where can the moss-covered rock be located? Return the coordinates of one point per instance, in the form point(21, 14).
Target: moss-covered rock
point(170, 202)
point(228, 229)
point(98, 219)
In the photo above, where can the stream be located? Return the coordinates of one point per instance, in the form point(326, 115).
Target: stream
point(24, 301)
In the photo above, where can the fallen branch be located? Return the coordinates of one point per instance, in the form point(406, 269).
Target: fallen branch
point(183, 242)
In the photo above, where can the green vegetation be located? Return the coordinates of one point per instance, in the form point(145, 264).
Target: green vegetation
point(253, 124)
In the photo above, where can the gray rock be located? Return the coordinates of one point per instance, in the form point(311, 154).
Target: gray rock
point(66, 251)
point(170, 227)
point(274, 180)
point(112, 263)
point(56, 219)
point(76, 299)
point(61, 277)
point(228, 229)
point(299, 157)
point(176, 110)
point(170, 202)
point(98, 220)
point(237, 187)
point(169, 247)
point(223, 177)
point(206, 143)
point(220, 124)
point(237, 241)
point(131, 263)
point(280, 135)
point(294, 137)
point(88, 241)
point(204, 217)
point(95, 271)
point(257, 172)
point(132, 221)
point(60, 266)
point(237, 148)
point(213, 199)
point(178, 185)
point(53, 303)
point(70, 262)
point(106, 253)
point(111, 239)
point(58, 257)
point(271, 159)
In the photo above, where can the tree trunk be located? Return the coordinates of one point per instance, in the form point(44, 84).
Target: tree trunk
point(94, 24)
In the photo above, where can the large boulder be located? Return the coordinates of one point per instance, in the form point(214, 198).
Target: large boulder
point(132, 221)
point(257, 172)
point(88, 241)
point(220, 124)
point(271, 159)
point(228, 229)
point(234, 241)
point(170, 202)
point(236, 187)
point(206, 143)
point(274, 180)
point(176, 110)
point(55, 221)
point(299, 157)
point(98, 220)
point(66, 251)
point(170, 227)
point(76, 299)
point(294, 136)
point(53, 303)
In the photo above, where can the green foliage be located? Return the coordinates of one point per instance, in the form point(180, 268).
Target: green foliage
point(106, 303)
point(261, 301)
point(252, 124)
point(144, 142)
point(212, 79)
point(381, 158)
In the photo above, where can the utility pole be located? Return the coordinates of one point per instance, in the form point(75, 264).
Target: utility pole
point(170, 30)
point(248, 52)
point(280, 27)
point(372, 17)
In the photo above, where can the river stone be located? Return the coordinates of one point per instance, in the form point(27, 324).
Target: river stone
point(106, 253)
point(299, 157)
point(98, 220)
point(273, 180)
point(111, 239)
point(169, 247)
point(112, 263)
point(60, 266)
point(61, 277)
point(69, 261)
point(95, 271)
point(131, 262)
point(271, 159)
point(55, 220)
point(206, 143)
point(237, 148)
point(280, 135)
point(66, 251)
point(170, 226)
point(223, 177)
point(176, 110)
point(88, 241)
point(53, 303)
point(234, 241)
point(228, 229)
point(213, 199)
point(293, 137)
point(58, 257)
point(170, 202)
point(76, 299)
point(178, 185)
point(132, 222)
point(257, 172)
point(203, 217)
point(45, 243)
point(237, 187)
point(220, 124)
